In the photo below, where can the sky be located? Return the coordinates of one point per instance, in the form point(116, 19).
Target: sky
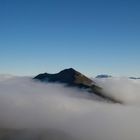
point(92, 36)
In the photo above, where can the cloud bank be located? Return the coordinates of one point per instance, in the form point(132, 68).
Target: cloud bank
point(123, 89)
point(53, 111)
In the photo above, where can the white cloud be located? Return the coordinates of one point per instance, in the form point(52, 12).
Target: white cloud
point(25, 104)
point(121, 88)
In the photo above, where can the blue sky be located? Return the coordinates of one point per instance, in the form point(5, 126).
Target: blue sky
point(92, 36)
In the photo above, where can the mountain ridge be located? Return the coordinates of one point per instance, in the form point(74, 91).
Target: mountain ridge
point(71, 77)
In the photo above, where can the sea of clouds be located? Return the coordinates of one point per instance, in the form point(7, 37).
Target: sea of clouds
point(46, 111)
point(123, 89)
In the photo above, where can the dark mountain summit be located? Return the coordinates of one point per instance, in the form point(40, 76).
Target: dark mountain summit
point(68, 76)
point(71, 77)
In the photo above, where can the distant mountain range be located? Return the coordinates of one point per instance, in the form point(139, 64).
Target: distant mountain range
point(135, 78)
point(103, 76)
point(73, 78)
point(109, 76)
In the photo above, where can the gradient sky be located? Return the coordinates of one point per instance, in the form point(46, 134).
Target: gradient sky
point(92, 36)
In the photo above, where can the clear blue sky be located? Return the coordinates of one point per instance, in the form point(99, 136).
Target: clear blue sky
point(93, 36)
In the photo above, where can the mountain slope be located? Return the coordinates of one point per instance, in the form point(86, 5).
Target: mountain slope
point(68, 76)
point(71, 77)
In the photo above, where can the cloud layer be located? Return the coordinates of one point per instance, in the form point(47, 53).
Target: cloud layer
point(121, 88)
point(29, 105)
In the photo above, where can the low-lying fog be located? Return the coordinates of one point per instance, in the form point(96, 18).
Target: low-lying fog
point(39, 111)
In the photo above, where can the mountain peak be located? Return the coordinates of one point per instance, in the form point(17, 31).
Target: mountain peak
point(69, 70)
point(71, 77)
point(68, 76)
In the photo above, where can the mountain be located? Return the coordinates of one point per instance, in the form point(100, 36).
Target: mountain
point(70, 77)
point(135, 78)
point(103, 76)
point(73, 78)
